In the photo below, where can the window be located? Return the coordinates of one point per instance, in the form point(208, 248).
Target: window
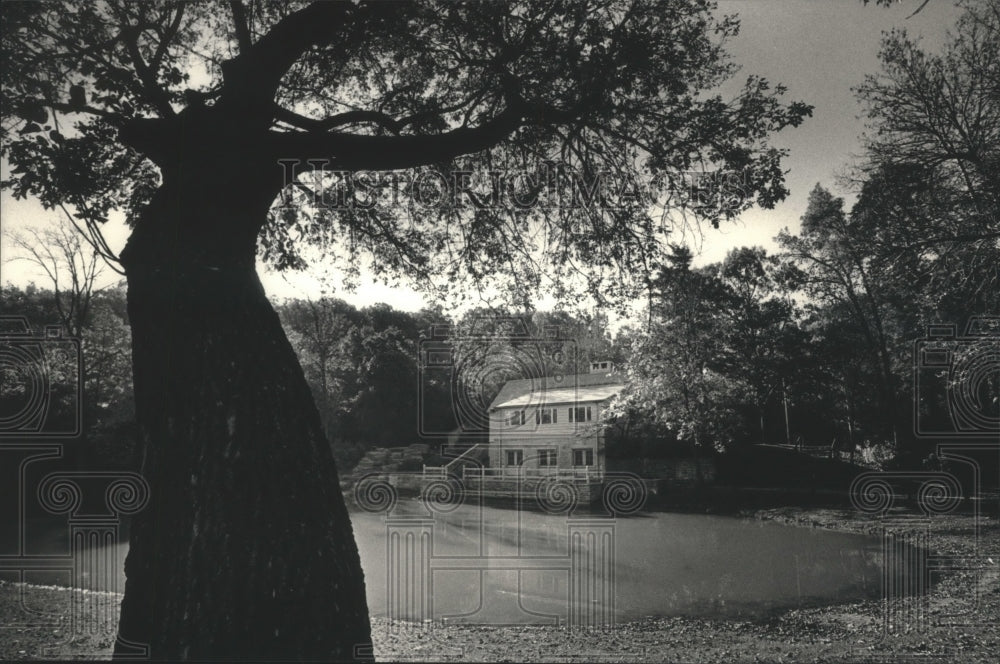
point(516, 418)
point(580, 414)
point(546, 416)
point(547, 458)
point(515, 457)
point(584, 457)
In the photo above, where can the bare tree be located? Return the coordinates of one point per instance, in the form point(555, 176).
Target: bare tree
point(71, 266)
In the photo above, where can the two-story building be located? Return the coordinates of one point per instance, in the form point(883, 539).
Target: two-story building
point(552, 425)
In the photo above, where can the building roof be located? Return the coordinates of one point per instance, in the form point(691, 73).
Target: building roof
point(564, 396)
point(552, 390)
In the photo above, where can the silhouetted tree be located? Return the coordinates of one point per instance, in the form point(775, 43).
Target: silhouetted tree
point(190, 116)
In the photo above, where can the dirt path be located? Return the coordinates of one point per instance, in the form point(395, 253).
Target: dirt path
point(962, 620)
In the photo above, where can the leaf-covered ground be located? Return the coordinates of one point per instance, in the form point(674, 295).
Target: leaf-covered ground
point(962, 614)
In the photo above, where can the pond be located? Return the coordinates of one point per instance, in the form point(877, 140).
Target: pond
point(504, 566)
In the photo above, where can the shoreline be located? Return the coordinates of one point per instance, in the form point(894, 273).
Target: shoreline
point(830, 633)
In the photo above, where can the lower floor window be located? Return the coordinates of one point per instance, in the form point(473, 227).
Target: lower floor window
point(515, 457)
point(547, 458)
point(583, 457)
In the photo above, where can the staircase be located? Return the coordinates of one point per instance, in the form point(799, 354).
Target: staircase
point(456, 465)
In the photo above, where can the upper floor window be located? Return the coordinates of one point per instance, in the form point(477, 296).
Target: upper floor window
point(516, 418)
point(546, 416)
point(547, 457)
point(580, 414)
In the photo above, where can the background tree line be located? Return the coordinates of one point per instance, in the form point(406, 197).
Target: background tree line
point(178, 115)
point(362, 365)
point(812, 343)
point(828, 326)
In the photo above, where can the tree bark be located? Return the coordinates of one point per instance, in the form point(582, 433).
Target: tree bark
point(246, 549)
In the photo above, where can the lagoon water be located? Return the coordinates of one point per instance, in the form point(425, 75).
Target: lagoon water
point(503, 566)
point(492, 565)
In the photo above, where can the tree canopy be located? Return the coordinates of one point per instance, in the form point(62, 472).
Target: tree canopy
point(609, 103)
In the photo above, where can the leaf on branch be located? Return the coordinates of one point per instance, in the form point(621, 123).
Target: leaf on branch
point(77, 96)
point(33, 111)
point(31, 128)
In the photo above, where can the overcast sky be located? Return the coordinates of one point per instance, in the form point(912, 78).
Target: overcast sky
point(819, 49)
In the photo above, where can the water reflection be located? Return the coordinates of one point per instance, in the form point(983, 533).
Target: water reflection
point(503, 566)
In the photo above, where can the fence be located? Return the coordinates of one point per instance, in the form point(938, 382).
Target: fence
point(584, 474)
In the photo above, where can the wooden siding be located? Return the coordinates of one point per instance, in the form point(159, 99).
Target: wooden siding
point(499, 429)
point(563, 436)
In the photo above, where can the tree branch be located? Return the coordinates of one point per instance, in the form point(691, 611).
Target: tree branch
point(256, 73)
point(354, 152)
point(147, 75)
point(161, 48)
point(241, 25)
point(338, 120)
point(919, 9)
point(72, 108)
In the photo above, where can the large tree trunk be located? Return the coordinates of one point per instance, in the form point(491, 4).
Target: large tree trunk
point(246, 549)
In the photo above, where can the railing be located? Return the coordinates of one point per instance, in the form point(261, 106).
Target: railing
point(584, 474)
point(816, 451)
point(461, 456)
point(438, 471)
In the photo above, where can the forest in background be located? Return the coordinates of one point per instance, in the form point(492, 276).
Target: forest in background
point(822, 342)
point(816, 345)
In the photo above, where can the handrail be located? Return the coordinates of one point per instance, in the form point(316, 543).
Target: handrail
point(461, 456)
point(587, 473)
point(446, 468)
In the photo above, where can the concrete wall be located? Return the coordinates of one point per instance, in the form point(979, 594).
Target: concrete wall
point(586, 492)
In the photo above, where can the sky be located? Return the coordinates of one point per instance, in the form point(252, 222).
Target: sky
point(818, 49)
